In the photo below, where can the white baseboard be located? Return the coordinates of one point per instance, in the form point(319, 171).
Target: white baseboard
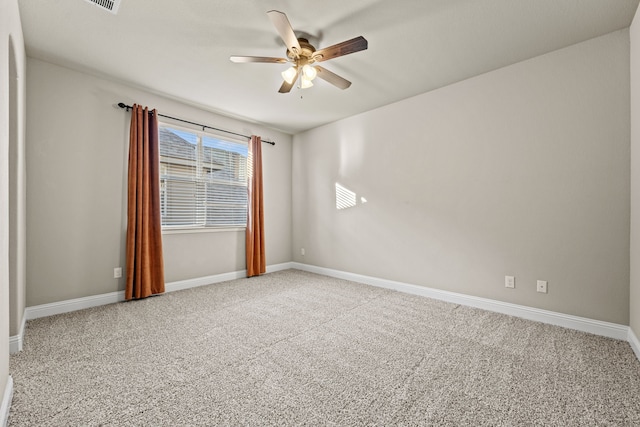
point(15, 342)
point(597, 327)
point(203, 281)
point(217, 278)
point(635, 344)
point(279, 267)
point(75, 304)
point(6, 402)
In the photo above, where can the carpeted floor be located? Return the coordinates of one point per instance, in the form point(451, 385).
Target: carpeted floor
point(293, 348)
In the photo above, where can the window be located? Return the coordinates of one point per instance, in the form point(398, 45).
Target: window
point(203, 180)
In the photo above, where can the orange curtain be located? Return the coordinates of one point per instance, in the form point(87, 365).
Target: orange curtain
point(145, 266)
point(256, 260)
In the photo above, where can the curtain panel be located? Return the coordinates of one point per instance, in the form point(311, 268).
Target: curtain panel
point(256, 259)
point(145, 265)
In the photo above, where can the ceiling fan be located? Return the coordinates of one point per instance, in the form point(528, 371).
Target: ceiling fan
point(303, 55)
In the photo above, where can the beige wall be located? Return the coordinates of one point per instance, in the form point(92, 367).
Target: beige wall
point(12, 71)
point(634, 296)
point(522, 171)
point(77, 142)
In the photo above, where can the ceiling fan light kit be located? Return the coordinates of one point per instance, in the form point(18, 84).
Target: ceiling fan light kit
point(305, 83)
point(309, 72)
point(289, 74)
point(302, 55)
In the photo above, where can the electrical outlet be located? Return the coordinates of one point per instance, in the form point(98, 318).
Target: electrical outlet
point(542, 286)
point(117, 272)
point(302, 251)
point(509, 282)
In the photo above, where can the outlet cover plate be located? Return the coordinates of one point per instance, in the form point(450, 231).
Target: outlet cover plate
point(509, 282)
point(542, 286)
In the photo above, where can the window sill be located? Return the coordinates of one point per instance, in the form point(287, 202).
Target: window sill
point(202, 230)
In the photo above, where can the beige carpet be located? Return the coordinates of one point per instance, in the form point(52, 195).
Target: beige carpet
point(293, 348)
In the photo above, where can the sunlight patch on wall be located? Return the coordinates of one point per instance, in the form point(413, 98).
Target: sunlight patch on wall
point(346, 198)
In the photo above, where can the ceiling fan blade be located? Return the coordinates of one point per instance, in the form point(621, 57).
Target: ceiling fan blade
point(286, 87)
point(345, 48)
point(281, 22)
point(241, 59)
point(332, 78)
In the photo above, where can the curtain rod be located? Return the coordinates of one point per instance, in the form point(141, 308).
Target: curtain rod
point(129, 107)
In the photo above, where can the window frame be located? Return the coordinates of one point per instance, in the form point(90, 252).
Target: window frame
point(188, 229)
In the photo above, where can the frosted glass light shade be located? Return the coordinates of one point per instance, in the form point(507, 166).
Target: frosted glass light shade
point(289, 74)
point(309, 72)
point(305, 82)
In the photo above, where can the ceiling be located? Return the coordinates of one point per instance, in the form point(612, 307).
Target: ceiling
point(181, 49)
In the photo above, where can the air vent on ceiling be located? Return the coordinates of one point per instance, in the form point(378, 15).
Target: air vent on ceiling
point(110, 5)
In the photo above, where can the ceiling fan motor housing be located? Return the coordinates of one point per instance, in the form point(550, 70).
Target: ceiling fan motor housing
point(305, 55)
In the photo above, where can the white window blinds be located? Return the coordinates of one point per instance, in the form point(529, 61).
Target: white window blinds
point(203, 180)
